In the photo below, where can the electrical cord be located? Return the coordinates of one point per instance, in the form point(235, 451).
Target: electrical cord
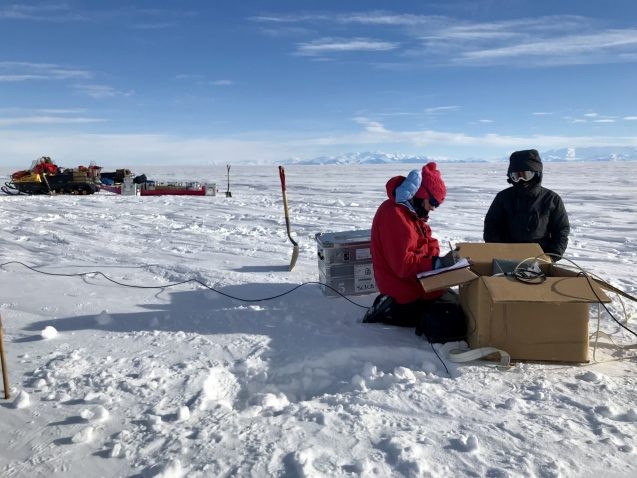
point(173, 284)
point(197, 281)
point(526, 275)
point(590, 279)
point(441, 361)
point(530, 276)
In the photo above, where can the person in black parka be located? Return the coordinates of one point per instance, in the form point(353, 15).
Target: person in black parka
point(528, 212)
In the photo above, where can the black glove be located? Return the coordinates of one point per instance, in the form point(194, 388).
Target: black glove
point(441, 262)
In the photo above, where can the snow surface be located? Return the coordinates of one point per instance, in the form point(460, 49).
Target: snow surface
point(183, 381)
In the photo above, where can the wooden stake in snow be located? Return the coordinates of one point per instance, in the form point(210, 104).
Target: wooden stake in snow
point(3, 359)
point(228, 193)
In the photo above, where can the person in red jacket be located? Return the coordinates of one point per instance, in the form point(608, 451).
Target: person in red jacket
point(402, 246)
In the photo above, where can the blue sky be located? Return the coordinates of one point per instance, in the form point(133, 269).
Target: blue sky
point(197, 81)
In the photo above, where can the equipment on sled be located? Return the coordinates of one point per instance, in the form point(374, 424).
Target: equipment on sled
point(45, 177)
point(124, 182)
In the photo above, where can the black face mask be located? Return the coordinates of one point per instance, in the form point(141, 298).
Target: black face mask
point(522, 185)
point(528, 188)
point(418, 204)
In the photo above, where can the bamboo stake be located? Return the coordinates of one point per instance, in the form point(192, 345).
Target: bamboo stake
point(3, 359)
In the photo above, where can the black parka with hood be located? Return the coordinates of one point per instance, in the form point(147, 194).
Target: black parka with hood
point(528, 212)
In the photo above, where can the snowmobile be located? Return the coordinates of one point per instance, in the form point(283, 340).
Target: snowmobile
point(45, 177)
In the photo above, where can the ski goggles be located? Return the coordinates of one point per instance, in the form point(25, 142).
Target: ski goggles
point(521, 176)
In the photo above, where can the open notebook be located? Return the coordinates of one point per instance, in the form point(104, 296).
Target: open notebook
point(462, 263)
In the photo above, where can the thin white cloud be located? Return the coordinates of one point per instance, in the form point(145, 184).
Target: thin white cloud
point(62, 111)
point(45, 120)
point(389, 19)
point(23, 77)
point(286, 31)
point(187, 76)
point(12, 71)
point(50, 13)
point(441, 109)
point(100, 91)
point(374, 133)
point(144, 149)
point(335, 45)
point(434, 40)
point(572, 49)
point(154, 26)
point(407, 139)
point(201, 80)
point(485, 121)
point(541, 113)
point(370, 125)
point(397, 113)
point(268, 147)
point(290, 18)
point(426, 137)
point(630, 118)
point(134, 17)
point(455, 31)
point(593, 118)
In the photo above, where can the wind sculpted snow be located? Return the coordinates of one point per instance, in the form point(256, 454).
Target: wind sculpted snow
point(109, 380)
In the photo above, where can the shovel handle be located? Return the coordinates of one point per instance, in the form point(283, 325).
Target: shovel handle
point(285, 204)
point(285, 198)
point(282, 176)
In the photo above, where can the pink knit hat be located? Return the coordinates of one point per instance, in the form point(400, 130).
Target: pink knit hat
point(432, 184)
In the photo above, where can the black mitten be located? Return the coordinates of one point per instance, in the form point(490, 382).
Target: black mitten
point(447, 260)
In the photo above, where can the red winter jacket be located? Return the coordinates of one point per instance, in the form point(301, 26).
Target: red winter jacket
point(402, 247)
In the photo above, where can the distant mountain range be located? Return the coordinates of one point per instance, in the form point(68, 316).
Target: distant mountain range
point(623, 153)
point(376, 158)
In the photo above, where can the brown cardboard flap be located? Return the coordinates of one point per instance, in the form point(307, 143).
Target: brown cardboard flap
point(482, 254)
point(447, 279)
point(553, 290)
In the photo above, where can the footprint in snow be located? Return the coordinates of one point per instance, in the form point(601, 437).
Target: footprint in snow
point(509, 404)
point(612, 413)
point(96, 414)
point(606, 411)
point(85, 435)
point(589, 377)
point(466, 444)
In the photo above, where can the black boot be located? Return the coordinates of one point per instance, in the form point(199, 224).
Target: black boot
point(380, 311)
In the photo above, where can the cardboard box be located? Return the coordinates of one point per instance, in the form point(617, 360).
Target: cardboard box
point(545, 321)
point(447, 279)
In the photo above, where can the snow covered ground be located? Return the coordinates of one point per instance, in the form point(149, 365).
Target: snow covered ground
point(109, 380)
